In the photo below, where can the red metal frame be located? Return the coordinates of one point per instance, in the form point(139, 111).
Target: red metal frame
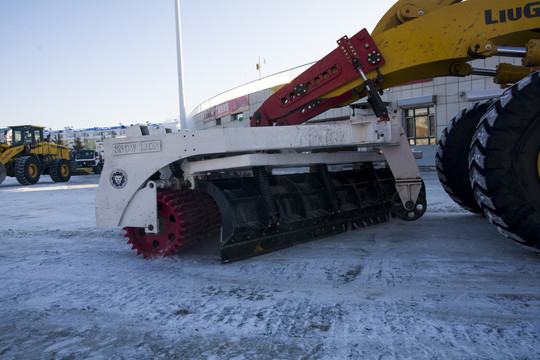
point(301, 99)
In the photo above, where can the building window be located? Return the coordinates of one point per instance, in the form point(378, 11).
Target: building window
point(237, 117)
point(218, 122)
point(420, 126)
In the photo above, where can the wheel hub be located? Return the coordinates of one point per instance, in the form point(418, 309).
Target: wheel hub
point(32, 170)
point(64, 170)
point(409, 211)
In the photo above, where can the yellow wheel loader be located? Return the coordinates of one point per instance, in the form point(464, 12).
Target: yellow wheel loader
point(26, 155)
point(271, 185)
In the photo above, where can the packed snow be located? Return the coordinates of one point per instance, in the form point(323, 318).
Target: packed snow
point(445, 286)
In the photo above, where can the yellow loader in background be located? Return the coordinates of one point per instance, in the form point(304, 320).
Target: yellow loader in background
point(26, 155)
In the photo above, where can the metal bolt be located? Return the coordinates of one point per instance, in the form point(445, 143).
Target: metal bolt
point(409, 205)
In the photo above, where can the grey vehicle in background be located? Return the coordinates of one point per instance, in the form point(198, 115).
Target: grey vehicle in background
point(89, 159)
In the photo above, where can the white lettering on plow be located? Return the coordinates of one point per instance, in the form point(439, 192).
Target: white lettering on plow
point(137, 147)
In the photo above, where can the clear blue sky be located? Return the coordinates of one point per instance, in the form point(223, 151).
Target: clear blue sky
point(87, 63)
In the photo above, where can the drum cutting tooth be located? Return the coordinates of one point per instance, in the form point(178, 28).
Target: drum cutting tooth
point(181, 219)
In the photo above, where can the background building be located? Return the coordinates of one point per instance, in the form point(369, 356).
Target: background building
point(92, 138)
point(425, 106)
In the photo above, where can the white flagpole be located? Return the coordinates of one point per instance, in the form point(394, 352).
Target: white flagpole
point(182, 106)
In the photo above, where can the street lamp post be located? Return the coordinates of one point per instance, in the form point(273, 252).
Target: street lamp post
point(182, 106)
point(259, 66)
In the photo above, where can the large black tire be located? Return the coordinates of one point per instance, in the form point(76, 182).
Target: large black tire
point(3, 172)
point(504, 162)
point(97, 169)
point(452, 158)
point(60, 170)
point(27, 170)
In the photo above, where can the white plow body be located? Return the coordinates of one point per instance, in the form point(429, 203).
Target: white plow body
point(136, 165)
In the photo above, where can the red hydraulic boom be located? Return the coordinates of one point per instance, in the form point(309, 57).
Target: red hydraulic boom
point(302, 99)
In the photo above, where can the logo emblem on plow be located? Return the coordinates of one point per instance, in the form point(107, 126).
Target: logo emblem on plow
point(118, 179)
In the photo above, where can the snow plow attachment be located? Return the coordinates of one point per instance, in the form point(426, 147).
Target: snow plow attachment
point(264, 188)
point(268, 212)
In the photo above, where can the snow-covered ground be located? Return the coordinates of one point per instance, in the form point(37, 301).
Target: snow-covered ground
point(445, 286)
